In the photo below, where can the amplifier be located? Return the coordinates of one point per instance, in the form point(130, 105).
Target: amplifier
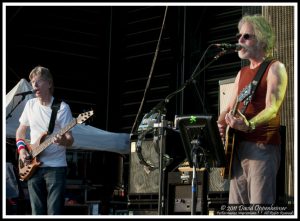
point(225, 91)
point(216, 183)
point(145, 180)
point(179, 200)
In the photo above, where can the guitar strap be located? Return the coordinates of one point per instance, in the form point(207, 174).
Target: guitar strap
point(256, 81)
point(55, 107)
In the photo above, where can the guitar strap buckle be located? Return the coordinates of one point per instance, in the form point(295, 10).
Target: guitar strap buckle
point(247, 93)
point(253, 85)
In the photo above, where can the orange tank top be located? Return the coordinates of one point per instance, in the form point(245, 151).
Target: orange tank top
point(269, 132)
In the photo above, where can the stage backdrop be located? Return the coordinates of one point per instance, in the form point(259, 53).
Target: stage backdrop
point(282, 20)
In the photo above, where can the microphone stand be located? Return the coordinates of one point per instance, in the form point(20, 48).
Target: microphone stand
point(9, 115)
point(195, 151)
point(194, 75)
point(161, 125)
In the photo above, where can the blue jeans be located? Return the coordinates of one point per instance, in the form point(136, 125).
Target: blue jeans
point(46, 190)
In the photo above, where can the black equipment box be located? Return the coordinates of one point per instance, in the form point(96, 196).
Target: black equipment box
point(179, 200)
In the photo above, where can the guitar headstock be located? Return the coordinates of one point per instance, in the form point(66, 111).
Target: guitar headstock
point(84, 116)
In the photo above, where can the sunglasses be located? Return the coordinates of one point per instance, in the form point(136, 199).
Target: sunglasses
point(245, 36)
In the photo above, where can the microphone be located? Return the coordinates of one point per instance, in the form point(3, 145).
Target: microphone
point(236, 47)
point(25, 93)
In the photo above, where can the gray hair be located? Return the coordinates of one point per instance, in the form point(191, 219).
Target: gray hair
point(262, 30)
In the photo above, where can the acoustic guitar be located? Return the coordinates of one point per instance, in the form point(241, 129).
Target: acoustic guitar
point(26, 170)
point(230, 136)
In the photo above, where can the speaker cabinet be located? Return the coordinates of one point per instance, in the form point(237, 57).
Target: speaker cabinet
point(143, 179)
point(215, 182)
point(179, 200)
point(225, 92)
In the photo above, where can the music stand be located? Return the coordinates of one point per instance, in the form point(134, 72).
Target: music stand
point(201, 138)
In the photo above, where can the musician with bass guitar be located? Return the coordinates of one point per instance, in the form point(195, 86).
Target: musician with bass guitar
point(250, 122)
point(46, 183)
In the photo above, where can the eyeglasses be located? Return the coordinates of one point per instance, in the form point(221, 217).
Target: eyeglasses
point(37, 82)
point(245, 36)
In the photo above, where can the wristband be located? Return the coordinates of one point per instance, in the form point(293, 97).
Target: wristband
point(251, 126)
point(20, 144)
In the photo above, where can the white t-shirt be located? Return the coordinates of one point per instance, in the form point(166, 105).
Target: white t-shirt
point(37, 117)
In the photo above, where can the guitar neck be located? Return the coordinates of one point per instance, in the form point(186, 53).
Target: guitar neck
point(234, 109)
point(50, 139)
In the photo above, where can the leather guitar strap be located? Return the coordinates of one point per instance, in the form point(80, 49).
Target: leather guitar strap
point(55, 107)
point(256, 81)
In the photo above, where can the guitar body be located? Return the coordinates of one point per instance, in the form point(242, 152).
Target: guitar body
point(229, 148)
point(26, 170)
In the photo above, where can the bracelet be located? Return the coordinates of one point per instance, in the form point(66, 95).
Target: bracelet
point(20, 145)
point(251, 126)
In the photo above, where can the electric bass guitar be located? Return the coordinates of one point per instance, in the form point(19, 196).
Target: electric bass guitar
point(26, 170)
point(230, 137)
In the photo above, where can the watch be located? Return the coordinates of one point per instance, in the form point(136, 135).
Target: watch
point(251, 126)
